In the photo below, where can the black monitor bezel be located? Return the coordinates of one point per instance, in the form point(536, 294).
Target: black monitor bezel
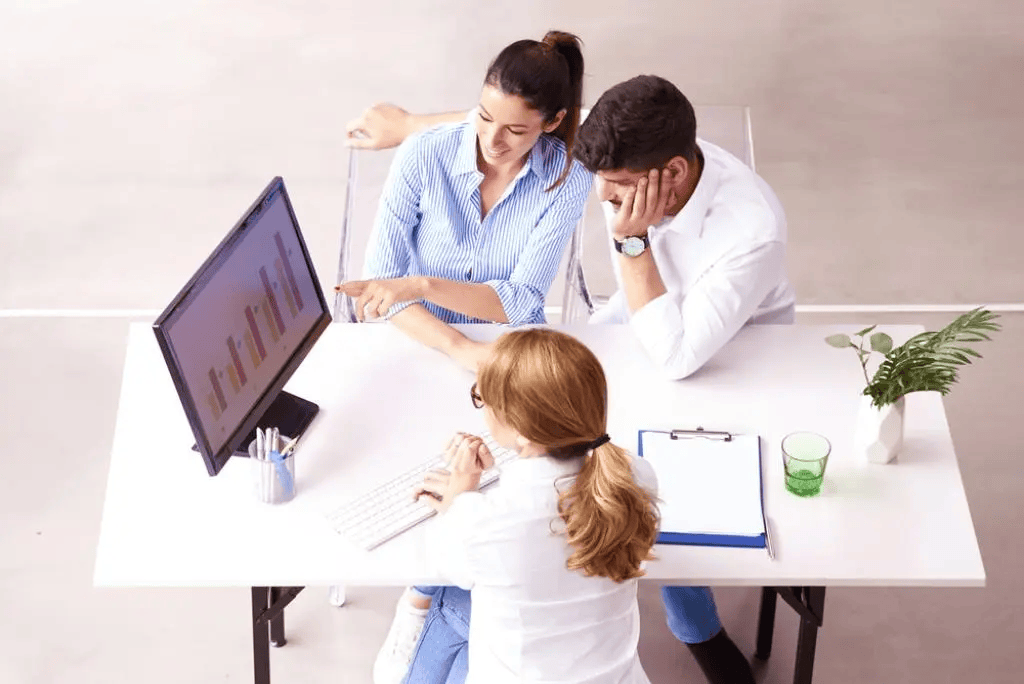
point(215, 460)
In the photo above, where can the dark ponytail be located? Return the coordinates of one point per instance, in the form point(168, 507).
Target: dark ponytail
point(548, 75)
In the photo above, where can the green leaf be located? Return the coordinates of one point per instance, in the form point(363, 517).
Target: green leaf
point(927, 361)
point(880, 342)
point(840, 341)
point(865, 331)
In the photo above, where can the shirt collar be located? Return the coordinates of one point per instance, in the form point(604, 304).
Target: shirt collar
point(539, 469)
point(465, 161)
point(691, 217)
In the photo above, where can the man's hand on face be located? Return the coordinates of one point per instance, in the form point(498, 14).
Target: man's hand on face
point(644, 205)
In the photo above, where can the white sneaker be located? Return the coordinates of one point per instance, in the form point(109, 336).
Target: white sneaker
point(395, 656)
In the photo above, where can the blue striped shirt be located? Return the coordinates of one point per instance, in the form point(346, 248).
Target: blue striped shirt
point(428, 221)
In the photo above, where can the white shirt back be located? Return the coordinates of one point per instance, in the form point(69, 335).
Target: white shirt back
point(533, 620)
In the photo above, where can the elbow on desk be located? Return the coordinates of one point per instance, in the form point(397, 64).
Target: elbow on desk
point(678, 371)
point(680, 365)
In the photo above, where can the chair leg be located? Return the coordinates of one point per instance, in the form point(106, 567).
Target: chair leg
point(336, 595)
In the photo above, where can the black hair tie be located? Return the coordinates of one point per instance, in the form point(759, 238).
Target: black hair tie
point(603, 439)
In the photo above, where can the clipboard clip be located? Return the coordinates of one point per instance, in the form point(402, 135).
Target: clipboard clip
point(700, 432)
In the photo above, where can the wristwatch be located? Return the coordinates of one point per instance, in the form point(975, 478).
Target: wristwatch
point(632, 246)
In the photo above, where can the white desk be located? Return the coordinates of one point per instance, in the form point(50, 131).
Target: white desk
point(386, 403)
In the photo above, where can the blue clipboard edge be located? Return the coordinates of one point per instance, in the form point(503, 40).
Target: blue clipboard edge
point(694, 539)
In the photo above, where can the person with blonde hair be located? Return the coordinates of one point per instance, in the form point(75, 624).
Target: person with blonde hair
point(550, 555)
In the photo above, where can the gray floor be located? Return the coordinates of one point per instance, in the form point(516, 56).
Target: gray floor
point(132, 136)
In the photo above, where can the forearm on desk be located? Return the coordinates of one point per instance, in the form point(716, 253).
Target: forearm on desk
point(472, 299)
point(682, 333)
point(424, 327)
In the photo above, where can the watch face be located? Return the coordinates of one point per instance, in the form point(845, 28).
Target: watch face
point(632, 246)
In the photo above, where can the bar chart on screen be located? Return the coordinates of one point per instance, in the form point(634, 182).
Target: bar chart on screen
point(262, 327)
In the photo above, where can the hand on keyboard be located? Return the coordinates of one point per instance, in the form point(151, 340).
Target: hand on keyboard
point(467, 457)
point(388, 510)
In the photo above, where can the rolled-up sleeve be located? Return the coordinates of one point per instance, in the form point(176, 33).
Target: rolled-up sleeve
point(522, 295)
point(680, 333)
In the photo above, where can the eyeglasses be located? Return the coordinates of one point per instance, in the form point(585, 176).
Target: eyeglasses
point(477, 400)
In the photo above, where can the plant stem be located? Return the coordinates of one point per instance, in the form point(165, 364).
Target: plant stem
point(863, 361)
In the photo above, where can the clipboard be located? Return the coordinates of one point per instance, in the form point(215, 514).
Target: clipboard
point(685, 462)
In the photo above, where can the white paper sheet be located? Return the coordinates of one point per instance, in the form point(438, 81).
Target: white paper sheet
point(707, 486)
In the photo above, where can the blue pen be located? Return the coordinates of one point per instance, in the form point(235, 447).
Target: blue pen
point(278, 458)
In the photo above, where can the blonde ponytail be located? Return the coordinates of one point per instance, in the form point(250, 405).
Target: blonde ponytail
point(610, 521)
point(551, 389)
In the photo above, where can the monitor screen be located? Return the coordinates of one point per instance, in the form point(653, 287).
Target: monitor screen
point(240, 327)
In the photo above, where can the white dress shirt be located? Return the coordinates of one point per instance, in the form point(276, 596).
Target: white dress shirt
point(533, 619)
point(722, 260)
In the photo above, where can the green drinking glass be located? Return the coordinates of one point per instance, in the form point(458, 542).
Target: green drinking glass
point(804, 456)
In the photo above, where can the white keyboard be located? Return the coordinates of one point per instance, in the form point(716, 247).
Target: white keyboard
point(389, 510)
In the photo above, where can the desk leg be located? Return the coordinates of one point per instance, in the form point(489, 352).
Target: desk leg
point(766, 623)
point(277, 622)
point(814, 600)
point(260, 636)
point(809, 603)
point(268, 604)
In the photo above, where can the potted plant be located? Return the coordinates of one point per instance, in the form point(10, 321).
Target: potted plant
point(926, 362)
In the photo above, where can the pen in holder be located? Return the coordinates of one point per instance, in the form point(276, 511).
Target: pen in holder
point(273, 467)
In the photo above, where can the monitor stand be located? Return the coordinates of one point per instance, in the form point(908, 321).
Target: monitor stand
point(289, 413)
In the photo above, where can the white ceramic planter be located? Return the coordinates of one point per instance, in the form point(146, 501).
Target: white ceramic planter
point(878, 436)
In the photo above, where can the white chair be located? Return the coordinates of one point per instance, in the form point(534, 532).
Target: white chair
point(367, 171)
point(590, 270)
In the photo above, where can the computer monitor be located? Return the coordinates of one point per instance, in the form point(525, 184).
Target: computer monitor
point(240, 327)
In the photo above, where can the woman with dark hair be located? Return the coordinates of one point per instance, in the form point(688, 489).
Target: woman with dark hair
point(475, 215)
point(471, 227)
point(551, 554)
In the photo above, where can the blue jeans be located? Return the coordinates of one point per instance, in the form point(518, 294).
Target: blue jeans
point(441, 653)
point(691, 613)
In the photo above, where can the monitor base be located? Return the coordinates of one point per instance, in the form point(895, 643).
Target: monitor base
point(288, 413)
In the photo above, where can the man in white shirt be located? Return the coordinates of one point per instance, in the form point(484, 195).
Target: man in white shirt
point(699, 251)
point(699, 240)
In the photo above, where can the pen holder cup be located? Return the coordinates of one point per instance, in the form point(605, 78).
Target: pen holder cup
point(273, 481)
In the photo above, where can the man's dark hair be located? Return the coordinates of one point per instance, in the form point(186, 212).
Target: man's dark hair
point(637, 125)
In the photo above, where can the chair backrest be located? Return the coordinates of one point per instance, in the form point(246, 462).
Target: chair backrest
point(367, 171)
point(727, 126)
point(591, 280)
